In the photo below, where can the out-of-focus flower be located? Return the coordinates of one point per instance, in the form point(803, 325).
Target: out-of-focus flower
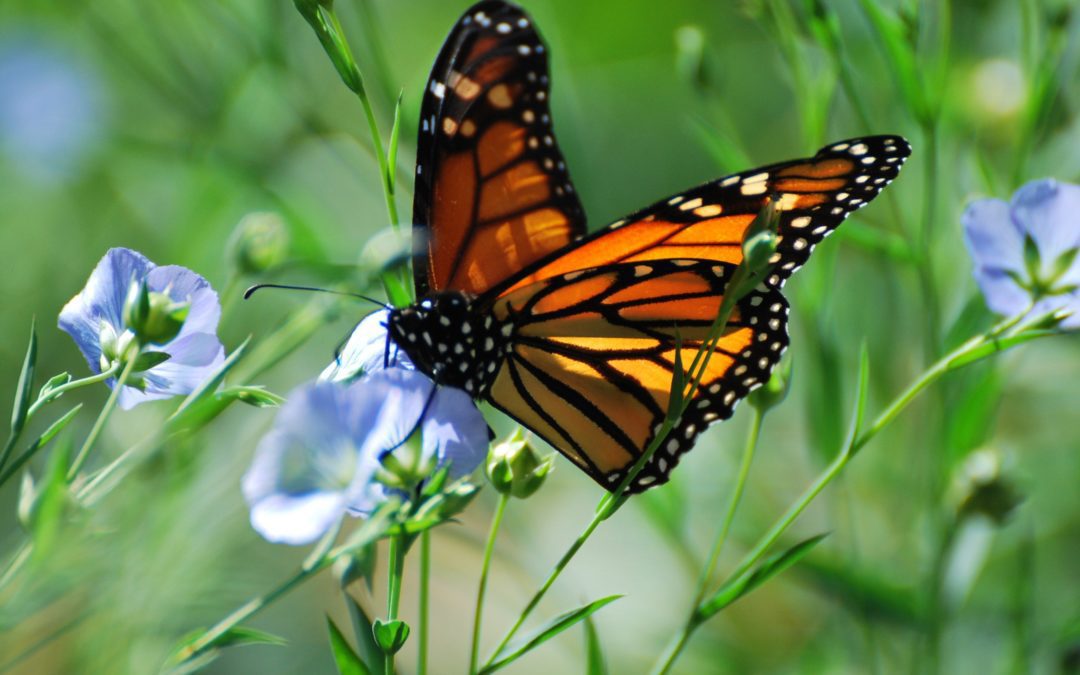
point(983, 487)
point(367, 351)
point(331, 442)
point(49, 108)
point(1026, 250)
point(166, 316)
point(260, 242)
point(318, 461)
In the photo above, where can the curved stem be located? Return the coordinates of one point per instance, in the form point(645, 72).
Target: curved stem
point(489, 547)
point(99, 424)
point(54, 394)
point(683, 636)
point(49, 397)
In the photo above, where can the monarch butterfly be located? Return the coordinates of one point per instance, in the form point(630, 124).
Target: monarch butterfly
point(573, 334)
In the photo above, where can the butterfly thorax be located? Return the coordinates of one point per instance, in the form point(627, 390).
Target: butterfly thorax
point(451, 342)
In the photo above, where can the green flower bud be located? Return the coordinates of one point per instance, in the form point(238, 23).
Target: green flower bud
point(516, 469)
point(391, 635)
point(773, 392)
point(153, 317)
point(690, 56)
point(980, 488)
point(260, 242)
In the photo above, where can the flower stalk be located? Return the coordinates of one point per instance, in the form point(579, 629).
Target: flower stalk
point(102, 418)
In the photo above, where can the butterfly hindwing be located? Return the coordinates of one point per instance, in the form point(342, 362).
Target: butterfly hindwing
point(492, 191)
point(593, 352)
point(814, 196)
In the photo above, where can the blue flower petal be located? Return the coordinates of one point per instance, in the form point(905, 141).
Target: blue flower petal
point(102, 300)
point(992, 238)
point(367, 351)
point(1050, 212)
point(310, 467)
point(183, 285)
point(455, 431)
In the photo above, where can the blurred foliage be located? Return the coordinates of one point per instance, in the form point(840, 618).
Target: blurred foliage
point(163, 126)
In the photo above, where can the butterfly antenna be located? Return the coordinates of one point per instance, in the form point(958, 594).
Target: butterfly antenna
point(288, 287)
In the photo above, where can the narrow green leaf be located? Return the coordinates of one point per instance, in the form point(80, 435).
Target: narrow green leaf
point(678, 383)
point(363, 629)
point(240, 635)
point(147, 360)
point(26, 381)
point(52, 499)
point(734, 589)
point(348, 662)
point(596, 664)
point(212, 383)
point(255, 396)
point(549, 630)
point(180, 661)
point(39, 443)
point(391, 153)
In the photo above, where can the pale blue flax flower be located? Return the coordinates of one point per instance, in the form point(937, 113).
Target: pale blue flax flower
point(324, 455)
point(167, 314)
point(367, 351)
point(1025, 250)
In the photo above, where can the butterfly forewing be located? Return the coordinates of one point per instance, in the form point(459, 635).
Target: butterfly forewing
point(814, 195)
point(593, 354)
point(492, 191)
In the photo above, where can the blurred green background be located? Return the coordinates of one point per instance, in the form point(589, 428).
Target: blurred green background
point(160, 125)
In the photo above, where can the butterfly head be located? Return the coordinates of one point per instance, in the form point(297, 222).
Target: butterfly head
point(450, 341)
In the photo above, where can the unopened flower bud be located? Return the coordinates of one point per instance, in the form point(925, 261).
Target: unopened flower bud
point(516, 469)
point(260, 242)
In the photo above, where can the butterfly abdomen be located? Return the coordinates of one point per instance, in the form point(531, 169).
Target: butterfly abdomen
point(451, 342)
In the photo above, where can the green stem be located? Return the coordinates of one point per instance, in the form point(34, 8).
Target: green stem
point(425, 600)
point(99, 424)
point(396, 555)
point(51, 396)
point(74, 384)
point(489, 548)
point(858, 441)
point(250, 608)
point(682, 637)
point(733, 505)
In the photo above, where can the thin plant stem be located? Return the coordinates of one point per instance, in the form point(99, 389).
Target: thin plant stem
point(396, 567)
point(736, 495)
point(489, 548)
point(856, 442)
point(99, 424)
point(51, 396)
point(74, 384)
point(679, 642)
point(425, 601)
